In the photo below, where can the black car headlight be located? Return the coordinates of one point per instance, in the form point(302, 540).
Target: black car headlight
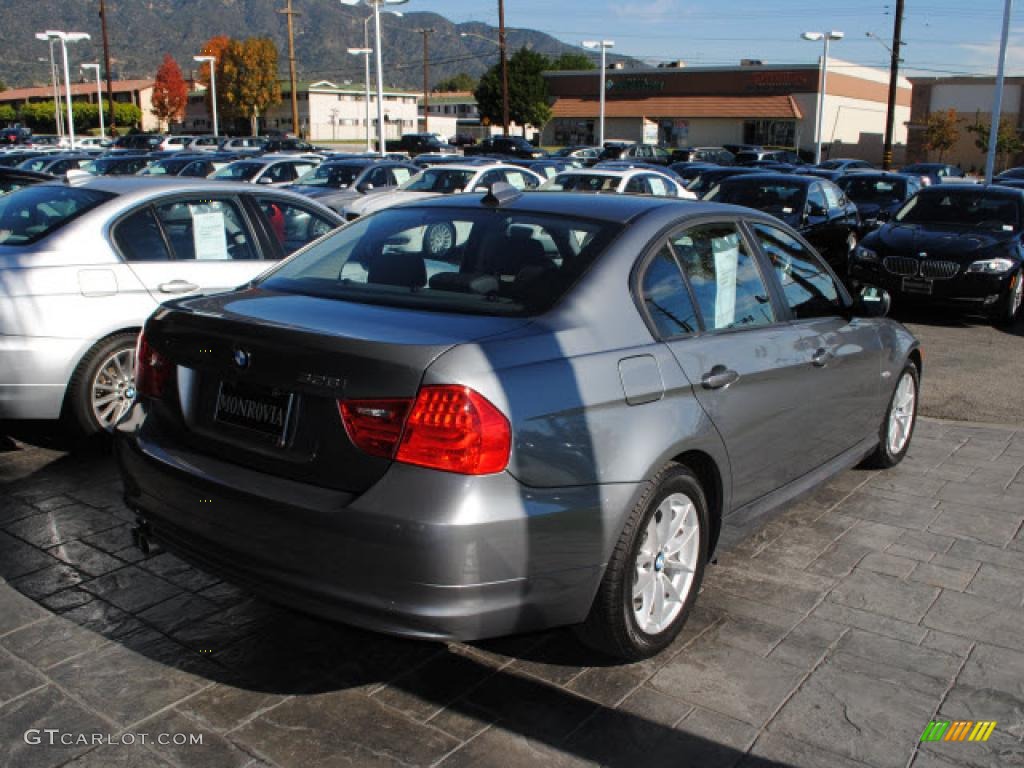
point(991, 266)
point(865, 254)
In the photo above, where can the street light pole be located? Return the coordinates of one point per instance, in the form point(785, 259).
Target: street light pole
point(380, 68)
point(365, 52)
point(65, 38)
point(604, 45)
point(212, 61)
point(997, 104)
point(57, 117)
point(827, 37)
point(99, 97)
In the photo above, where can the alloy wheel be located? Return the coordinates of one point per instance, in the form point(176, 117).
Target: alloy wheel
point(666, 563)
point(113, 387)
point(901, 415)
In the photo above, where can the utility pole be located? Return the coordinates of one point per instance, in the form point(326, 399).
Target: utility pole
point(289, 13)
point(106, 66)
point(426, 79)
point(894, 76)
point(504, 65)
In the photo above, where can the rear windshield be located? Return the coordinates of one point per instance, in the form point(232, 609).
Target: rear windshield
point(336, 176)
point(239, 171)
point(867, 190)
point(775, 197)
point(962, 208)
point(28, 214)
point(464, 260)
point(582, 182)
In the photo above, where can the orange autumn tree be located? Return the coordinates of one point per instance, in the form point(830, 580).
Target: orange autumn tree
point(170, 94)
point(215, 47)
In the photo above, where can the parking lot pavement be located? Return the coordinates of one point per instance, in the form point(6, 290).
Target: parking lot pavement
point(973, 370)
point(831, 638)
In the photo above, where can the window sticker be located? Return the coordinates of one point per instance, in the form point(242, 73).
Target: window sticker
point(208, 236)
point(727, 253)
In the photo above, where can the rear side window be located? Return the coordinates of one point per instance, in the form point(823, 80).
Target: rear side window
point(724, 276)
point(139, 238)
point(31, 213)
point(454, 260)
point(666, 297)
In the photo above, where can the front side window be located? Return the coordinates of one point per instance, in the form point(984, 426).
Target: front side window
point(206, 230)
point(31, 213)
point(666, 297)
point(833, 196)
point(724, 276)
point(454, 260)
point(809, 289)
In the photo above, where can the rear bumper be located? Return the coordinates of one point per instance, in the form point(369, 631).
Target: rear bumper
point(34, 375)
point(422, 553)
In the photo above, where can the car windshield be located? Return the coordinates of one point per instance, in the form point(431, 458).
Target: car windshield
point(239, 171)
point(31, 213)
point(974, 208)
point(465, 260)
point(581, 182)
point(868, 190)
point(336, 176)
point(164, 167)
point(109, 166)
point(444, 180)
point(775, 197)
point(832, 165)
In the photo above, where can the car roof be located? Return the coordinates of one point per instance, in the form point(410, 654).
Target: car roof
point(614, 208)
point(999, 189)
point(777, 177)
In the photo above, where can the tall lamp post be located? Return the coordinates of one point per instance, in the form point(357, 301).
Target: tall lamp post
point(99, 96)
point(827, 37)
point(366, 51)
point(65, 38)
point(997, 102)
point(212, 61)
point(376, 4)
point(604, 45)
point(57, 116)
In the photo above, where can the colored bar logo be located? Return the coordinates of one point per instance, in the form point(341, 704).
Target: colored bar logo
point(958, 730)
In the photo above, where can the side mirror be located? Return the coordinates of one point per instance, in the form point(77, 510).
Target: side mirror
point(871, 302)
point(813, 209)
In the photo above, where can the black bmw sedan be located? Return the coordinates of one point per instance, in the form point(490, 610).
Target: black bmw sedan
point(878, 194)
point(816, 208)
point(951, 244)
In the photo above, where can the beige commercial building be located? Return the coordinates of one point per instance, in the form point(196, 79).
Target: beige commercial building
point(746, 104)
point(972, 98)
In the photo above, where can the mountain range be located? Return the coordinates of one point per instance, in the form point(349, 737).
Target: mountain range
point(142, 31)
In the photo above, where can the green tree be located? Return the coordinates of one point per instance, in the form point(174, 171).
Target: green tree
point(573, 60)
point(528, 91)
point(459, 82)
point(8, 114)
point(1008, 139)
point(249, 78)
point(942, 131)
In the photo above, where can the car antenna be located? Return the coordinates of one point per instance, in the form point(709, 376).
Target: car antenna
point(500, 193)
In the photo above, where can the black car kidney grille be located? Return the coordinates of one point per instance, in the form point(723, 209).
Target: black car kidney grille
point(939, 270)
point(901, 265)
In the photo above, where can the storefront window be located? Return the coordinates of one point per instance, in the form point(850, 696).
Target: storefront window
point(780, 133)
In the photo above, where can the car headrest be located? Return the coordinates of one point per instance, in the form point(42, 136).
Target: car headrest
point(398, 268)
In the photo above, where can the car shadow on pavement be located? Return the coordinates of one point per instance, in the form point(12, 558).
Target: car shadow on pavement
point(951, 318)
point(106, 613)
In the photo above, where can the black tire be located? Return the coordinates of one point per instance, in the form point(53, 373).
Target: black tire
point(1010, 307)
point(611, 626)
point(78, 401)
point(883, 457)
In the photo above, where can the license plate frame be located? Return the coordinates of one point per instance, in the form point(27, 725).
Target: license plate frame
point(271, 422)
point(920, 286)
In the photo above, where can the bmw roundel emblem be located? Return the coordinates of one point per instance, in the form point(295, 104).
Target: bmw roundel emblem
point(241, 358)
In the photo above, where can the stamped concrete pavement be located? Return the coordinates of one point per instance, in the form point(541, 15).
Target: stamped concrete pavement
point(830, 638)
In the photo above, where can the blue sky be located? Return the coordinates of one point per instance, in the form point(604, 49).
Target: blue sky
point(943, 37)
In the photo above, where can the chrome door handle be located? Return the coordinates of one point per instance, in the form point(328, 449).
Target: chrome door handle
point(821, 358)
point(719, 377)
point(177, 286)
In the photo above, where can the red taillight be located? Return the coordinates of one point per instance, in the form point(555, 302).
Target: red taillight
point(374, 426)
point(152, 370)
point(455, 429)
point(451, 428)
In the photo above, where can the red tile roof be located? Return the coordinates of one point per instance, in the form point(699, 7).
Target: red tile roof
point(683, 106)
point(77, 89)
